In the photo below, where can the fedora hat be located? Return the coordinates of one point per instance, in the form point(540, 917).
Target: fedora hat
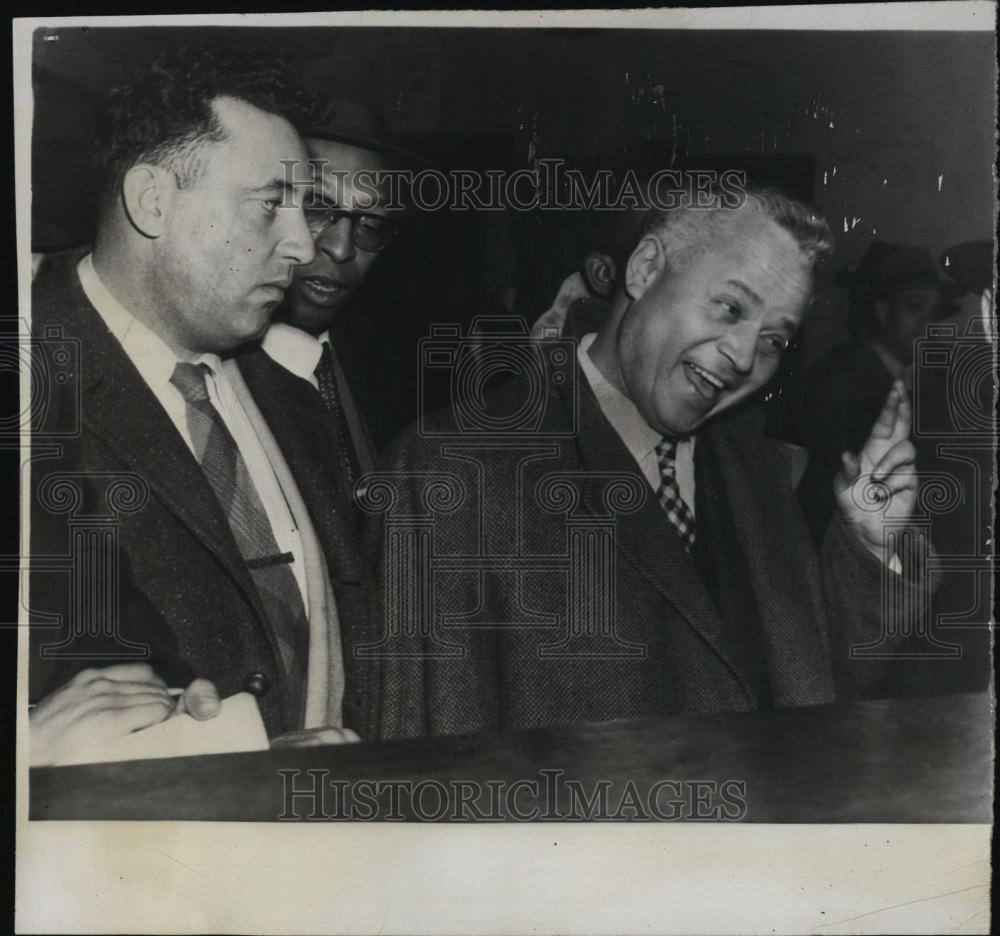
point(971, 264)
point(912, 266)
point(347, 110)
point(887, 266)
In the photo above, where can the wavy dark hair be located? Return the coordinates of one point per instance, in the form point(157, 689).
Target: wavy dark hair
point(162, 113)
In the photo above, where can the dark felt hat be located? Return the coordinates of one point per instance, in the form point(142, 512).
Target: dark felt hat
point(348, 111)
point(885, 266)
point(971, 264)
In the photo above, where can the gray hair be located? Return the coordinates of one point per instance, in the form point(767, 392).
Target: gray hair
point(687, 227)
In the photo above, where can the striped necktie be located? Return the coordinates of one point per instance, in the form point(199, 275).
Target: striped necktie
point(227, 474)
point(669, 494)
point(326, 379)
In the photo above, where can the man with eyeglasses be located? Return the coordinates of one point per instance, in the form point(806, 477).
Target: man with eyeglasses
point(294, 373)
point(351, 221)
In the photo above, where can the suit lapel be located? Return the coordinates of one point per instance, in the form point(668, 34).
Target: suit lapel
point(143, 437)
point(763, 505)
point(300, 425)
point(644, 537)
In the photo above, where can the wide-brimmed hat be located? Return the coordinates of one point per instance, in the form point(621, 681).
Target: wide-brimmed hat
point(886, 266)
point(348, 111)
point(971, 264)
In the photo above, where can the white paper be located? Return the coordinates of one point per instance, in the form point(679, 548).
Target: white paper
point(238, 727)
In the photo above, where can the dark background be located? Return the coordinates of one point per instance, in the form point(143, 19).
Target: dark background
point(889, 133)
point(907, 107)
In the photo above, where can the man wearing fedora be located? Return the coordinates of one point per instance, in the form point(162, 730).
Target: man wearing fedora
point(295, 374)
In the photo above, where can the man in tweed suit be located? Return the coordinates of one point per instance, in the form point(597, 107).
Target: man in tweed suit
point(632, 546)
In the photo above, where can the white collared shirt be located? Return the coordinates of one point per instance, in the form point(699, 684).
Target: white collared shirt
point(299, 353)
point(639, 438)
point(155, 361)
point(295, 350)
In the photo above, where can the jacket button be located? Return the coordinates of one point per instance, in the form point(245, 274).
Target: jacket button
point(256, 684)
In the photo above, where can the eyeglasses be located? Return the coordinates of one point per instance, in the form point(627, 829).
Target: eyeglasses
point(369, 231)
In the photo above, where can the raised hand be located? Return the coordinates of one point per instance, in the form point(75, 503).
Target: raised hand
point(880, 483)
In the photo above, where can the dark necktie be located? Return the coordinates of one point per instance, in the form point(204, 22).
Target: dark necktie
point(669, 495)
point(226, 471)
point(326, 379)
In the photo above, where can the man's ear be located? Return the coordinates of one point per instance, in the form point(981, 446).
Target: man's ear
point(644, 265)
point(600, 274)
point(147, 191)
point(881, 309)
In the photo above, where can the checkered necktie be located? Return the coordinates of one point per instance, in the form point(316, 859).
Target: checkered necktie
point(326, 379)
point(669, 495)
point(226, 471)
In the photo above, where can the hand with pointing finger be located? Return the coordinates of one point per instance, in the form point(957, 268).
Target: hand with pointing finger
point(880, 483)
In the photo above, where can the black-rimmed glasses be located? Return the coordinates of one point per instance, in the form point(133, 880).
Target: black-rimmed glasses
point(369, 231)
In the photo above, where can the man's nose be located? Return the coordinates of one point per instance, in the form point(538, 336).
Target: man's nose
point(297, 245)
point(337, 241)
point(739, 346)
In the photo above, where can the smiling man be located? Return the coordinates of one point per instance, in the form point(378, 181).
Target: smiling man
point(221, 586)
point(680, 576)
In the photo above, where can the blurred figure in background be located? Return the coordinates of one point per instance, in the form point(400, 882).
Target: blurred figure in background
point(908, 319)
point(896, 292)
point(604, 244)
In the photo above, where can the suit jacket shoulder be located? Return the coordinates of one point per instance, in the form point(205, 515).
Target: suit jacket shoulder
point(187, 602)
